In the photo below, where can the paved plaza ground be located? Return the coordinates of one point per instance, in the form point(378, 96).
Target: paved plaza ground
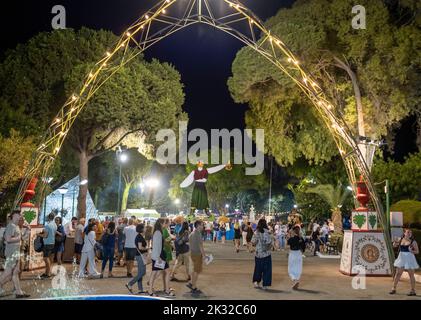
point(229, 277)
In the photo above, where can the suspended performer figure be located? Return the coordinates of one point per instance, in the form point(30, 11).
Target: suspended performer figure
point(199, 199)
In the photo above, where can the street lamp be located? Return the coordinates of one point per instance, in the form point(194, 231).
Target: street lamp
point(176, 202)
point(121, 158)
point(152, 183)
point(46, 180)
point(63, 191)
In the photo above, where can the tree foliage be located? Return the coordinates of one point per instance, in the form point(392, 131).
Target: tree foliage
point(404, 178)
point(15, 155)
point(381, 62)
point(33, 75)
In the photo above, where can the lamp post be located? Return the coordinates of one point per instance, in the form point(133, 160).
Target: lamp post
point(121, 158)
point(227, 207)
point(151, 183)
point(387, 193)
point(63, 191)
point(176, 202)
point(47, 181)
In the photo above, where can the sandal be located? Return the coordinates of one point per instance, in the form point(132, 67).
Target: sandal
point(412, 293)
point(393, 291)
point(170, 294)
point(128, 288)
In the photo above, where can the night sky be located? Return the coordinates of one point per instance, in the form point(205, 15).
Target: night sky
point(202, 55)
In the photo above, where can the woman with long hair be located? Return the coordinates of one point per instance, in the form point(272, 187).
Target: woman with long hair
point(60, 237)
point(406, 261)
point(297, 246)
point(182, 250)
point(158, 257)
point(262, 240)
point(88, 253)
point(166, 275)
point(108, 241)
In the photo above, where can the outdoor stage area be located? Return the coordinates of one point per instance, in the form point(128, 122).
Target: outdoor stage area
point(229, 277)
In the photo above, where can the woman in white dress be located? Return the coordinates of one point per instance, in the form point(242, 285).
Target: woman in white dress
point(406, 261)
point(297, 246)
point(88, 253)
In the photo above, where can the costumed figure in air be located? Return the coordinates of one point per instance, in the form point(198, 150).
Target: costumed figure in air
point(199, 199)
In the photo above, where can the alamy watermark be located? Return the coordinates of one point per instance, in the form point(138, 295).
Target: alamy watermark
point(242, 147)
point(359, 281)
point(359, 20)
point(59, 20)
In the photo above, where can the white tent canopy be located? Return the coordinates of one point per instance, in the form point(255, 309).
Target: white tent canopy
point(143, 214)
point(53, 202)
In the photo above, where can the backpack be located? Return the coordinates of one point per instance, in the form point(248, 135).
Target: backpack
point(38, 244)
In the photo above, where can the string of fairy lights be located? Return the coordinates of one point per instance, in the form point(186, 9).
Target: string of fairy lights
point(141, 34)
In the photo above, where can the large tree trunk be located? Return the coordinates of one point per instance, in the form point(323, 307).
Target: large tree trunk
point(357, 94)
point(83, 190)
point(337, 220)
point(125, 196)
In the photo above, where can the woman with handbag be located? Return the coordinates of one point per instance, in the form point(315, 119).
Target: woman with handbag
point(159, 264)
point(88, 253)
point(59, 240)
point(141, 258)
point(182, 251)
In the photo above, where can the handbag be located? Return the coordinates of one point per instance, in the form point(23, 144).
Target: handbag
point(160, 264)
point(146, 257)
point(38, 244)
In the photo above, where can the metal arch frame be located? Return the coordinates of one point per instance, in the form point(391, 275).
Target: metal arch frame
point(143, 35)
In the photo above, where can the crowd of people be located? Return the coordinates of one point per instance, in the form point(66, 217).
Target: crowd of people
point(168, 245)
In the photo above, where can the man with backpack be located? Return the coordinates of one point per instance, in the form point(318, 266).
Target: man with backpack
point(12, 238)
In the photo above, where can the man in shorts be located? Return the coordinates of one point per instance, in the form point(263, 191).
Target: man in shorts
point(49, 235)
point(12, 237)
point(197, 254)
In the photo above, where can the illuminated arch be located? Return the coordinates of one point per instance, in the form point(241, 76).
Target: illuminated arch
point(166, 18)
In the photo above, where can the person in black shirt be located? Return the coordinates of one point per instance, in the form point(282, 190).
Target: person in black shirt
point(315, 236)
point(297, 246)
point(141, 251)
point(182, 251)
